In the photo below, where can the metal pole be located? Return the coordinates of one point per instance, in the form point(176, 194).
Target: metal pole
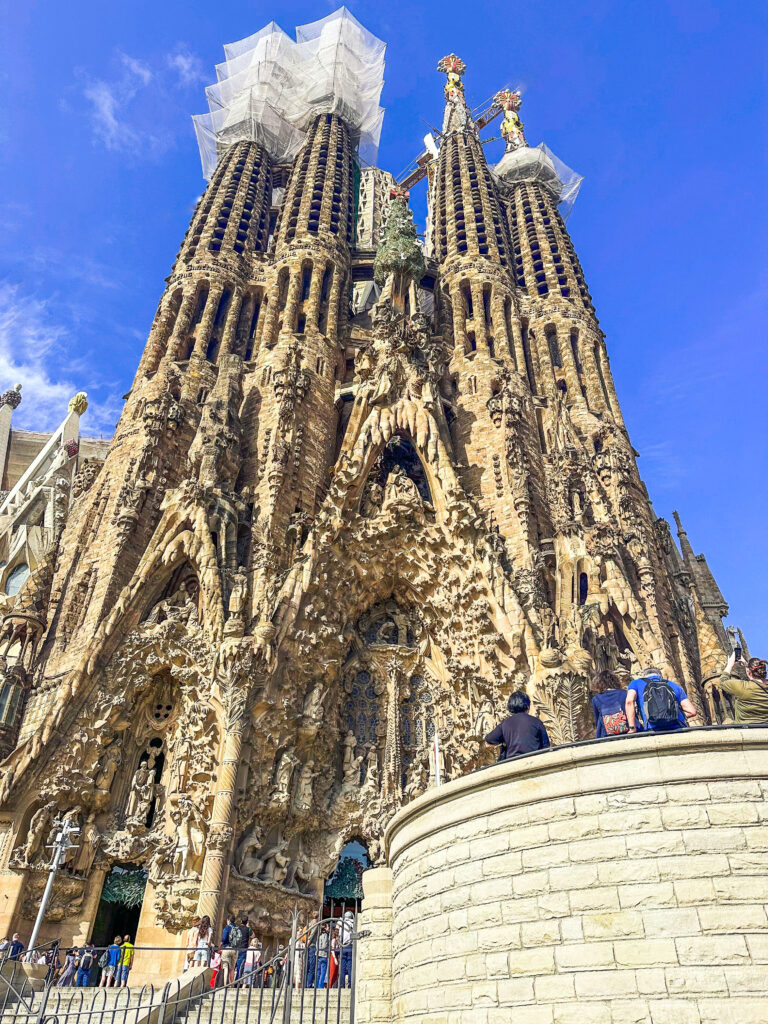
point(289, 968)
point(61, 844)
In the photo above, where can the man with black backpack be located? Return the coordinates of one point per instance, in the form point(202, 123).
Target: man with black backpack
point(657, 704)
point(239, 938)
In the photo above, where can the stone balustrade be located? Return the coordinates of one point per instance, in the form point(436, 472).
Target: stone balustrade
point(614, 882)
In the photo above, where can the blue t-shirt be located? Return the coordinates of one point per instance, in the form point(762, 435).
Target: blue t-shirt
point(225, 935)
point(609, 703)
point(113, 955)
point(638, 685)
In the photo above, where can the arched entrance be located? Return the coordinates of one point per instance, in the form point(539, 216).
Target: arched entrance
point(344, 889)
point(120, 905)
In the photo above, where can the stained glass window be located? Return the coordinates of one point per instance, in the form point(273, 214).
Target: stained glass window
point(362, 707)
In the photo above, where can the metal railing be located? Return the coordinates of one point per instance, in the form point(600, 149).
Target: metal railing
point(272, 991)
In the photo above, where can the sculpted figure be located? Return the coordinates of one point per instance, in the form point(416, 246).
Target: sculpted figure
point(313, 704)
point(416, 784)
point(179, 607)
point(107, 770)
point(142, 790)
point(284, 776)
point(247, 861)
point(400, 491)
point(89, 844)
point(38, 827)
point(304, 788)
point(485, 719)
point(190, 838)
point(275, 862)
point(72, 818)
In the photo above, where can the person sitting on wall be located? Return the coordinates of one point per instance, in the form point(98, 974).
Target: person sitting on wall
point(751, 703)
point(658, 704)
point(609, 706)
point(521, 733)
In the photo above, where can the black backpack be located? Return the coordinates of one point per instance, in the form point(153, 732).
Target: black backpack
point(238, 937)
point(661, 704)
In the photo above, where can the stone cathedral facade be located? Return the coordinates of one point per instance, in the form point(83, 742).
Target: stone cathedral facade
point(360, 490)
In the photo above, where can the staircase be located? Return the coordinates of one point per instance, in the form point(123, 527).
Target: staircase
point(140, 1005)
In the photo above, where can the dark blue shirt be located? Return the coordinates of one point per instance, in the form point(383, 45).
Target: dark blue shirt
point(638, 685)
point(225, 935)
point(609, 703)
point(16, 948)
point(521, 733)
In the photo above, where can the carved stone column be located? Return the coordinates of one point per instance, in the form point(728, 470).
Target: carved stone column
point(235, 685)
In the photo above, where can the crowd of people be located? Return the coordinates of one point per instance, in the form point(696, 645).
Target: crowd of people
point(322, 958)
point(651, 703)
point(81, 965)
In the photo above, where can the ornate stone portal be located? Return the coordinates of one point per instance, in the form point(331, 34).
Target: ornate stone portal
point(318, 541)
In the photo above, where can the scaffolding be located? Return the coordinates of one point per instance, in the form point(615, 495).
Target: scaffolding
point(540, 164)
point(270, 88)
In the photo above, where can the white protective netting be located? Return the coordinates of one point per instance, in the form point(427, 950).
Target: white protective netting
point(270, 88)
point(540, 164)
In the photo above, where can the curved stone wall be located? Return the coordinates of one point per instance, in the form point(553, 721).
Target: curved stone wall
point(623, 881)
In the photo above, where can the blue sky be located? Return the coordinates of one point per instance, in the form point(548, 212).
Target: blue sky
point(661, 106)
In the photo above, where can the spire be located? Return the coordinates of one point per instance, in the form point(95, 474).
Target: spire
point(511, 126)
point(457, 117)
point(685, 544)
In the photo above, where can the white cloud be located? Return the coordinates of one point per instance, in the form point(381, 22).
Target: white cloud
point(134, 112)
point(137, 68)
point(106, 116)
point(187, 65)
point(35, 351)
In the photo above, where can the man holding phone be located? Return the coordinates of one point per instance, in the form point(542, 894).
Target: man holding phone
point(750, 706)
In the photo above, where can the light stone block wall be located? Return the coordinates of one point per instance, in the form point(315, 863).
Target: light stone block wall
point(623, 882)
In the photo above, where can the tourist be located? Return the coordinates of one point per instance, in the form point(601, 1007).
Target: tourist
point(215, 967)
point(85, 959)
point(751, 704)
point(126, 961)
point(312, 935)
point(299, 958)
point(228, 952)
point(67, 976)
point(521, 733)
point(281, 959)
point(109, 963)
point(322, 956)
point(609, 706)
point(239, 939)
point(252, 961)
point(657, 704)
point(202, 941)
point(16, 948)
point(333, 960)
point(345, 928)
point(190, 942)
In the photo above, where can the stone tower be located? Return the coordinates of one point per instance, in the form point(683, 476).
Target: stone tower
point(355, 496)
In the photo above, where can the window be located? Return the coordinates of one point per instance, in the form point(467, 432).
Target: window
point(583, 587)
point(554, 347)
point(10, 702)
point(17, 577)
point(306, 281)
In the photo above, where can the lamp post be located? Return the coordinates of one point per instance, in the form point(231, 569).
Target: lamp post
point(61, 843)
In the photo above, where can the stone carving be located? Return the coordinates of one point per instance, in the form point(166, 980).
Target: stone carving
point(315, 544)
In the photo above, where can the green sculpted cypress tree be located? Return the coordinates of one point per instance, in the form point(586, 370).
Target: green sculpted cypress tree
point(399, 253)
